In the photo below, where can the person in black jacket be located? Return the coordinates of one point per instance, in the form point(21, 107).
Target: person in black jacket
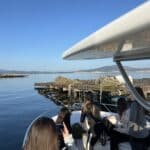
point(96, 125)
point(63, 117)
point(139, 134)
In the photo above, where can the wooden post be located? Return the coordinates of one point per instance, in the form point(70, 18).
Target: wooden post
point(69, 90)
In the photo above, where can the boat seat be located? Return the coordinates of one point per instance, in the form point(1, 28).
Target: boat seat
point(75, 117)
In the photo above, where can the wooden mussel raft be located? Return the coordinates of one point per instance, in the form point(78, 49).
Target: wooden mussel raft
point(64, 91)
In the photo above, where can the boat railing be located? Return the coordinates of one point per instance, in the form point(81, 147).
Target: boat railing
point(108, 107)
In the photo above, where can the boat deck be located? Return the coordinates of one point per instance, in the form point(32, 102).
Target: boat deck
point(75, 118)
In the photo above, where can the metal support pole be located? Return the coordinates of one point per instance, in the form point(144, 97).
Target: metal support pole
point(137, 97)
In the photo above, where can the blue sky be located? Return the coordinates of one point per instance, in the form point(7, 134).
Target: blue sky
point(35, 33)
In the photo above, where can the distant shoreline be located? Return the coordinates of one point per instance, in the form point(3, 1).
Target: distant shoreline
point(3, 76)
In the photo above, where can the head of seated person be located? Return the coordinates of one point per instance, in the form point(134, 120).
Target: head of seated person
point(42, 135)
point(88, 97)
point(77, 131)
point(140, 92)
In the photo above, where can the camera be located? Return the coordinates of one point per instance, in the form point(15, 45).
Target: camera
point(59, 127)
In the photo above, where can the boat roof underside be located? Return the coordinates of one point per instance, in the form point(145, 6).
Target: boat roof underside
point(129, 32)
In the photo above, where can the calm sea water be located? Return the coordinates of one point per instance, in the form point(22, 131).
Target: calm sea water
point(20, 104)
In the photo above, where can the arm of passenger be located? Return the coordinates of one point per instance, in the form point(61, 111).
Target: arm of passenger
point(113, 119)
point(68, 139)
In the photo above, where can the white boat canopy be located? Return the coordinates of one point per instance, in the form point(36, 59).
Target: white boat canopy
point(129, 32)
point(126, 38)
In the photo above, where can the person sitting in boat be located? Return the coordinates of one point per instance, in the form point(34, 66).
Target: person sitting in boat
point(63, 117)
point(119, 132)
point(77, 133)
point(96, 126)
point(73, 141)
point(138, 131)
point(87, 107)
point(42, 135)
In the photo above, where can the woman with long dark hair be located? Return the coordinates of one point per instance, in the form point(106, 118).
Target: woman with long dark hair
point(64, 115)
point(120, 133)
point(138, 131)
point(63, 118)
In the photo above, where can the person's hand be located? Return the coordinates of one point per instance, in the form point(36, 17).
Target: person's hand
point(65, 131)
point(112, 119)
